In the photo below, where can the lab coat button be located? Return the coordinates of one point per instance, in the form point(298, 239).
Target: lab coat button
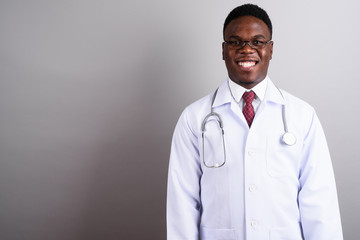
point(251, 152)
point(254, 224)
point(252, 188)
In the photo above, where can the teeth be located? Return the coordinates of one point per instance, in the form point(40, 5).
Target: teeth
point(246, 64)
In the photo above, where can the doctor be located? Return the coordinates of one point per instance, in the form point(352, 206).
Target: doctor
point(250, 183)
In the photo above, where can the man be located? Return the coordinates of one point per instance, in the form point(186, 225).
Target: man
point(250, 183)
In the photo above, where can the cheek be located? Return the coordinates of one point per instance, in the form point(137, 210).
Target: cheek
point(225, 55)
point(266, 55)
point(228, 57)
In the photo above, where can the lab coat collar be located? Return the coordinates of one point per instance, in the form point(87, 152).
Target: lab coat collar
point(272, 94)
point(238, 91)
point(223, 95)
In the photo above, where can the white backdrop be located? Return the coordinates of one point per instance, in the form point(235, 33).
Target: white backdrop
point(90, 92)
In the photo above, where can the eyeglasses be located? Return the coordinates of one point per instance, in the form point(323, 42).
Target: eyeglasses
point(255, 44)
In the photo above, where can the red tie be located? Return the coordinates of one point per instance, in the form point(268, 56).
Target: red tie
point(248, 110)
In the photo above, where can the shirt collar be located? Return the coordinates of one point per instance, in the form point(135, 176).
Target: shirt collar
point(237, 90)
point(268, 93)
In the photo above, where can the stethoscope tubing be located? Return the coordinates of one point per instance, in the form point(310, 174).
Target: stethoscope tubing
point(288, 138)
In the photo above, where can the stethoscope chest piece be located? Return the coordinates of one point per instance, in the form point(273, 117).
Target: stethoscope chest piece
point(289, 139)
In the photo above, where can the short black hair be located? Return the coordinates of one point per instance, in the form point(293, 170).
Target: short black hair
point(248, 10)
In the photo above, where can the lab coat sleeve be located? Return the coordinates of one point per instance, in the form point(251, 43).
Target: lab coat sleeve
point(183, 190)
point(318, 203)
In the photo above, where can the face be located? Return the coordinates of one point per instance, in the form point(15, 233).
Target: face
point(247, 66)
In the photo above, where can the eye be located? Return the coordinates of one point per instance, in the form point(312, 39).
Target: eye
point(257, 43)
point(234, 43)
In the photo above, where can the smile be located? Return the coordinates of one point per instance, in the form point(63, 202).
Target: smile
point(247, 65)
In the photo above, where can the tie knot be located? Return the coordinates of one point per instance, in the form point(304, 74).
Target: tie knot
point(248, 97)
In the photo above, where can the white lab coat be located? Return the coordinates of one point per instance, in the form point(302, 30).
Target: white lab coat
point(266, 189)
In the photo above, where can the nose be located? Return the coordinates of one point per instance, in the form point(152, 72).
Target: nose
point(247, 48)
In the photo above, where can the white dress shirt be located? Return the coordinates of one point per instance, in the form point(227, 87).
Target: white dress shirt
point(237, 92)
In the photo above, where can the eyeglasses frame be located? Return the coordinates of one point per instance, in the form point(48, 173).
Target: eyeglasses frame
point(243, 43)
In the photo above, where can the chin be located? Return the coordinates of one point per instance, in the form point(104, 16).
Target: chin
point(248, 82)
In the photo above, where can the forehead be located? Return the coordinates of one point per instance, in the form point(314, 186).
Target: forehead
point(247, 26)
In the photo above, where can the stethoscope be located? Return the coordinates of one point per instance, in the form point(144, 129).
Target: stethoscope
point(287, 138)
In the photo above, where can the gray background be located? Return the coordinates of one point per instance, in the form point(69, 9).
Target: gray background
point(90, 92)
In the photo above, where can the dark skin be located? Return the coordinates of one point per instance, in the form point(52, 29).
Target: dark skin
point(247, 66)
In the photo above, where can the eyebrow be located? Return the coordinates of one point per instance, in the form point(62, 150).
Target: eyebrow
point(254, 37)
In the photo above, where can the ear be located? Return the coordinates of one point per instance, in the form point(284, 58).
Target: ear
point(271, 49)
point(223, 45)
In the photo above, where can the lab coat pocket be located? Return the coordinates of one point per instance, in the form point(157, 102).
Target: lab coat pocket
point(217, 234)
point(286, 234)
point(281, 160)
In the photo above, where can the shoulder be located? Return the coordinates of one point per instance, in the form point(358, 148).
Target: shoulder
point(193, 115)
point(297, 109)
point(196, 111)
point(300, 113)
point(200, 105)
point(297, 102)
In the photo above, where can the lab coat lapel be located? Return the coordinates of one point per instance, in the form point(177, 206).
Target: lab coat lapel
point(224, 97)
point(273, 94)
